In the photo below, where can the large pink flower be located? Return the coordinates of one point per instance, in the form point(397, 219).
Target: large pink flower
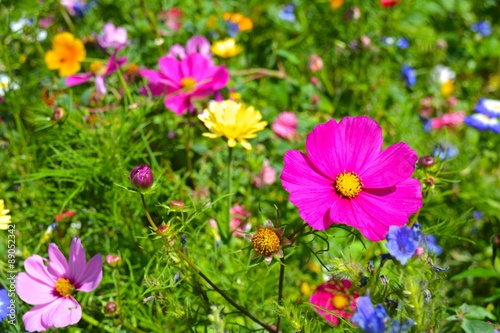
point(194, 76)
point(335, 299)
point(50, 285)
point(347, 178)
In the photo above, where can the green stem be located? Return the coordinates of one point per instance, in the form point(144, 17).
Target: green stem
point(280, 290)
point(118, 295)
point(125, 87)
point(229, 189)
point(296, 231)
point(66, 18)
point(222, 293)
point(92, 321)
point(147, 212)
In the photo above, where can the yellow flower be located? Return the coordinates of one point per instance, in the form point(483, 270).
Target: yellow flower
point(447, 88)
point(4, 216)
point(66, 55)
point(233, 120)
point(226, 48)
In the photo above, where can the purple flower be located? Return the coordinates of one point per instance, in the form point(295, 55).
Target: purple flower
point(98, 72)
point(370, 319)
point(4, 304)
point(403, 328)
point(402, 242)
point(445, 151)
point(432, 245)
point(113, 37)
point(141, 177)
point(489, 107)
point(287, 13)
point(232, 28)
point(402, 43)
point(483, 28)
point(409, 75)
point(482, 122)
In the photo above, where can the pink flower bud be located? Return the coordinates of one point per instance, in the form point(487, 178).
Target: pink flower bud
point(141, 177)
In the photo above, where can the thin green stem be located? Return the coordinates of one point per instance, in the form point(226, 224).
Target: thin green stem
point(229, 189)
point(296, 231)
point(222, 293)
point(125, 87)
point(147, 212)
point(66, 18)
point(118, 295)
point(280, 291)
point(94, 322)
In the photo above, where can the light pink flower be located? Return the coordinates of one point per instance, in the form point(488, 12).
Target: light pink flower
point(239, 220)
point(334, 299)
point(49, 286)
point(196, 44)
point(451, 119)
point(99, 72)
point(172, 18)
point(285, 125)
point(346, 177)
point(266, 176)
point(112, 37)
point(315, 63)
point(70, 5)
point(184, 80)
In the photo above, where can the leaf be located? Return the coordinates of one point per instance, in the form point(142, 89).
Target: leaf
point(476, 272)
point(477, 326)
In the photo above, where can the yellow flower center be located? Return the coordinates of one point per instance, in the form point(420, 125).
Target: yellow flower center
point(188, 83)
point(266, 242)
point(97, 68)
point(339, 302)
point(64, 287)
point(348, 184)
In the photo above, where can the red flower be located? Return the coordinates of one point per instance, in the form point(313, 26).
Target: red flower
point(389, 3)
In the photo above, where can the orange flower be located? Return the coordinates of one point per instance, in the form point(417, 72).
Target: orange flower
point(66, 55)
point(335, 4)
point(244, 23)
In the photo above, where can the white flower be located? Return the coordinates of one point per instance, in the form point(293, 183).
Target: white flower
point(442, 74)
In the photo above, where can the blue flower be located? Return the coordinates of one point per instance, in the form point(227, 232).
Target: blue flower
point(403, 242)
point(482, 122)
point(409, 75)
point(406, 324)
point(368, 318)
point(482, 27)
point(445, 151)
point(81, 8)
point(489, 107)
point(432, 245)
point(232, 28)
point(287, 13)
point(4, 304)
point(477, 215)
point(402, 43)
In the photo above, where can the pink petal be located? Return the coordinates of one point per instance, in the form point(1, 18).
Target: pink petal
point(392, 166)
point(171, 69)
point(33, 318)
point(220, 78)
point(63, 312)
point(151, 75)
point(58, 265)
point(199, 44)
point(100, 85)
point(196, 66)
point(178, 103)
point(156, 89)
point(35, 267)
point(77, 79)
point(34, 291)
point(323, 300)
point(176, 51)
point(309, 190)
point(77, 260)
point(92, 275)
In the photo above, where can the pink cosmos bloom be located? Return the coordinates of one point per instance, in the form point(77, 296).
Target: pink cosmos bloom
point(172, 18)
point(49, 286)
point(98, 72)
point(285, 125)
point(267, 176)
point(112, 37)
point(183, 80)
point(451, 119)
point(70, 5)
point(196, 44)
point(239, 220)
point(346, 177)
point(334, 299)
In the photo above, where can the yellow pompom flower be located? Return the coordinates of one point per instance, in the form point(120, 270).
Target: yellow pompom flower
point(233, 120)
point(66, 55)
point(4, 216)
point(226, 48)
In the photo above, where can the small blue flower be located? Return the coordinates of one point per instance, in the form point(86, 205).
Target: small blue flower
point(482, 122)
point(432, 245)
point(482, 27)
point(406, 324)
point(477, 215)
point(409, 75)
point(489, 107)
point(81, 8)
point(287, 13)
point(4, 304)
point(445, 151)
point(403, 242)
point(402, 43)
point(370, 319)
point(232, 28)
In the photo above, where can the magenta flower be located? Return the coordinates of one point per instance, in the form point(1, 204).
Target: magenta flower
point(346, 177)
point(195, 76)
point(285, 126)
point(49, 285)
point(334, 299)
point(98, 72)
point(196, 44)
point(112, 37)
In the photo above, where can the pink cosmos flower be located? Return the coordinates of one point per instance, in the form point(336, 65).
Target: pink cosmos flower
point(267, 176)
point(346, 177)
point(112, 37)
point(451, 119)
point(172, 18)
point(334, 299)
point(285, 125)
point(195, 76)
point(49, 286)
point(196, 44)
point(239, 220)
point(98, 72)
